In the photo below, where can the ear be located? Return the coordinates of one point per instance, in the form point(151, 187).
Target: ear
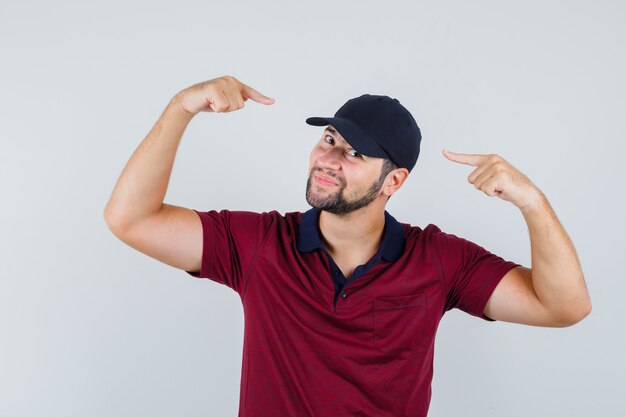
point(394, 181)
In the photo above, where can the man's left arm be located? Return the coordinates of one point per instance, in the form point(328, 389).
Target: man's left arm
point(552, 293)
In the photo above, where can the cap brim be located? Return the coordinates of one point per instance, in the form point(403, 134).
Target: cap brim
point(357, 137)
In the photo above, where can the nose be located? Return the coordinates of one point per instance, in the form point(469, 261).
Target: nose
point(330, 159)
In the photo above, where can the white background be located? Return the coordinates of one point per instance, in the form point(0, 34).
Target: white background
point(91, 327)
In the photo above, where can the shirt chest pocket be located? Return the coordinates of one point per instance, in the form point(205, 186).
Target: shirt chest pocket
point(399, 322)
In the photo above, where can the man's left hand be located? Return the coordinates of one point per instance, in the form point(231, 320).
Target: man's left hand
point(496, 177)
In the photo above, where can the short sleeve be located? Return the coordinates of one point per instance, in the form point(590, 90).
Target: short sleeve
point(469, 272)
point(231, 241)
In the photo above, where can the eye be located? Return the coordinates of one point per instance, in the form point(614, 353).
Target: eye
point(329, 139)
point(354, 153)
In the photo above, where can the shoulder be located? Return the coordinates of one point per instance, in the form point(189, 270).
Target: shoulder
point(248, 220)
point(431, 237)
point(269, 220)
point(272, 215)
point(416, 233)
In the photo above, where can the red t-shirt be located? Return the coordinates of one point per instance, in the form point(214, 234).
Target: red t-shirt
point(367, 353)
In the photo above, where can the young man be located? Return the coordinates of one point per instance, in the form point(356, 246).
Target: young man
point(342, 302)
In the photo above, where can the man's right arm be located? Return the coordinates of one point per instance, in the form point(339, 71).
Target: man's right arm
point(135, 212)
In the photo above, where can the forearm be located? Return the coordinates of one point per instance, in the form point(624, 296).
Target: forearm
point(556, 271)
point(141, 187)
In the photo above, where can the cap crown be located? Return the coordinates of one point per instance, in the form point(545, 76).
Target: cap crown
point(389, 123)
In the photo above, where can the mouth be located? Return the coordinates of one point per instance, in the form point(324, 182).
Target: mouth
point(321, 180)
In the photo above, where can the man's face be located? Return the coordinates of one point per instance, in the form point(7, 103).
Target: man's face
point(340, 179)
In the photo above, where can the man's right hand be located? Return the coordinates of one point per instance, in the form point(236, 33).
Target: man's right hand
point(223, 94)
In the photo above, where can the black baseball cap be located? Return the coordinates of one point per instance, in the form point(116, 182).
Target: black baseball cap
point(377, 126)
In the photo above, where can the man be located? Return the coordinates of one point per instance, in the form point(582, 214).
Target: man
point(342, 302)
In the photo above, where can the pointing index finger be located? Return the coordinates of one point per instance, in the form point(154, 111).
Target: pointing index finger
point(249, 92)
point(465, 158)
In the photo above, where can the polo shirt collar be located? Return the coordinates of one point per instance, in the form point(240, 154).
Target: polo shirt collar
point(390, 249)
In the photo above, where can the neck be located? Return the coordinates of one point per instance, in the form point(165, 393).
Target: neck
point(355, 233)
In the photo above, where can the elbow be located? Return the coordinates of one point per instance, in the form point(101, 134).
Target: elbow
point(114, 224)
point(585, 311)
point(576, 316)
point(107, 215)
point(108, 219)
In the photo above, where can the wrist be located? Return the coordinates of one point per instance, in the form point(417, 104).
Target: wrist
point(176, 105)
point(537, 202)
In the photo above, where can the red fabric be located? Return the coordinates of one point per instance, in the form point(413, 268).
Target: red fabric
point(374, 355)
